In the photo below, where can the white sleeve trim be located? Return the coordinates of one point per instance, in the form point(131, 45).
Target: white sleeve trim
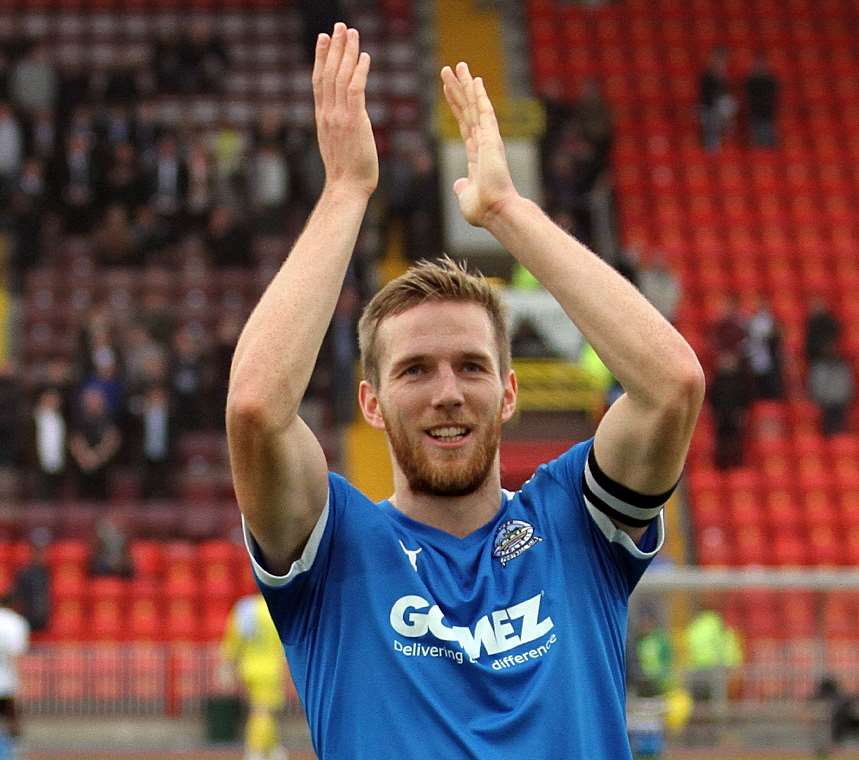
point(301, 565)
point(617, 536)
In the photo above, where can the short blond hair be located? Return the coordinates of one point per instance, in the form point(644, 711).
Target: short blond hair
point(440, 280)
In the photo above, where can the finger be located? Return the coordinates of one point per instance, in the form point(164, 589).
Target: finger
point(485, 112)
point(470, 109)
point(358, 85)
point(347, 67)
point(332, 63)
point(464, 131)
point(323, 43)
point(453, 91)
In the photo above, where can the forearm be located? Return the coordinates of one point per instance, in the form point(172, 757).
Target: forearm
point(278, 346)
point(645, 353)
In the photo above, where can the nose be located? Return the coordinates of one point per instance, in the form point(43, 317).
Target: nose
point(447, 391)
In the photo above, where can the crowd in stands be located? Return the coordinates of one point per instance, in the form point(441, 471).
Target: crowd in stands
point(750, 364)
point(719, 108)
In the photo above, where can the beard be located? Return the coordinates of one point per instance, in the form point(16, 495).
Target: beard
point(460, 475)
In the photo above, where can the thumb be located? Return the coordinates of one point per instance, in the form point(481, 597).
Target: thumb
point(459, 185)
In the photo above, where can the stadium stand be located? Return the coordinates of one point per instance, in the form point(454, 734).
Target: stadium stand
point(744, 221)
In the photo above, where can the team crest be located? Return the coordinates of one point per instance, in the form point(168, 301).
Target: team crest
point(511, 539)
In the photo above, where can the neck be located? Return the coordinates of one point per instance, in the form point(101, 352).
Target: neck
point(457, 515)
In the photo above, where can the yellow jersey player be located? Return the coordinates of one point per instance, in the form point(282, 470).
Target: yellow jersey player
point(252, 651)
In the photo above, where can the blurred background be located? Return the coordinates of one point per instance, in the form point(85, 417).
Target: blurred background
point(157, 161)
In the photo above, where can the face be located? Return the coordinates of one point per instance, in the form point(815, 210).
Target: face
point(440, 399)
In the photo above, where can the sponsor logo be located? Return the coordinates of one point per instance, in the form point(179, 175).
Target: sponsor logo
point(412, 554)
point(511, 539)
point(413, 616)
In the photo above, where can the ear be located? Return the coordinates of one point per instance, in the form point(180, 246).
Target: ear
point(368, 400)
point(511, 393)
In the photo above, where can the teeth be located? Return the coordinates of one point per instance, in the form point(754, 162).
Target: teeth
point(448, 432)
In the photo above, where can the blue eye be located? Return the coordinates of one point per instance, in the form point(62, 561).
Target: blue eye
point(414, 370)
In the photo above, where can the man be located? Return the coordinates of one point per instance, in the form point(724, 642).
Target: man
point(452, 619)
point(251, 650)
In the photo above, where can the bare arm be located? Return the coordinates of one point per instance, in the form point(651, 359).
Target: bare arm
point(642, 440)
point(279, 469)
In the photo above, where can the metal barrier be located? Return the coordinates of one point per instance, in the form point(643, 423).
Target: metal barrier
point(135, 679)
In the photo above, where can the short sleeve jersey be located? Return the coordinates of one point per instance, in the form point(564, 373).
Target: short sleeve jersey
point(407, 642)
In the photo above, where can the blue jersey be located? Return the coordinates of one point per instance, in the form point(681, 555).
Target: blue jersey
point(407, 642)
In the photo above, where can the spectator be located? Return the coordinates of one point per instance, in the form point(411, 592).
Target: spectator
point(822, 328)
point(227, 239)
point(11, 405)
point(714, 650)
point(94, 444)
point(27, 207)
point(32, 584)
point(268, 187)
point(190, 382)
point(110, 553)
point(228, 148)
point(204, 59)
point(112, 240)
point(660, 285)
point(73, 91)
point(155, 441)
point(202, 184)
point(42, 136)
point(49, 444)
point(560, 115)
point(762, 91)
point(35, 83)
point(764, 353)
point(167, 57)
point(146, 132)
point(843, 712)
point(831, 385)
point(122, 182)
point(11, 148)
point(730, 397)
point(150, 234)
point(156, 314)
point(168, 178)
point(74, 176)
point(138, 349)
point(107, 380)
point(410, 185)
point(594, 119)
point(654, 657)
point(730, 330)
point(14, 641)
point(717, 107)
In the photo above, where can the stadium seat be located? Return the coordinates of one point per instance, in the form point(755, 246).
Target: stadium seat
point(182, 620)
point(146, 556)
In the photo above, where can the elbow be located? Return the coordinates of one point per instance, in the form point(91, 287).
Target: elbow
point(254, 411)
point(688, 386)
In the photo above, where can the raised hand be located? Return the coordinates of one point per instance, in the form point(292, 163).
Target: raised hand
point(488, 184)
point(343, 127)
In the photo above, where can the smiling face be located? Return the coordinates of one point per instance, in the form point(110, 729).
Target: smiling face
point(441, 398)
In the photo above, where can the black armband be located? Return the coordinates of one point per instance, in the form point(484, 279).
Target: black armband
point(620, 503)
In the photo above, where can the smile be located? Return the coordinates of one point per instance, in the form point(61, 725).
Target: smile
point(450, 434)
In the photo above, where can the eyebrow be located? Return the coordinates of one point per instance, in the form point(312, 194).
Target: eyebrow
point(468, 356)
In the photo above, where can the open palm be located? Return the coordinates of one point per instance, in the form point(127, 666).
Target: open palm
point(488, 184)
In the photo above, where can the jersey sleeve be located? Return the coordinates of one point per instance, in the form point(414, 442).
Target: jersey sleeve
point(294, 599)
point(621, 558)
